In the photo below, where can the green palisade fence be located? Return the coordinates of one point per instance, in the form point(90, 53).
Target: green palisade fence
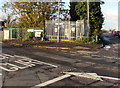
point(17, 33)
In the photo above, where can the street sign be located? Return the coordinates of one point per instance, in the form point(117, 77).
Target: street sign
point(30, 30)
point(38, 30)
point(38, 34)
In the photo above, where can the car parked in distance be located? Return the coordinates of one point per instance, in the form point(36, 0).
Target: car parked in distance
point(119, 35)
point(115, 33)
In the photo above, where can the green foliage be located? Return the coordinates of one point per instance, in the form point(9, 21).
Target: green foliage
point(83, 40)
point(104, 31)
point(21, 34)
point(96, 16)
point(93, 41)
point(87, 40)
point(73, 14)
point(81, 10)
point(34, 14)
point(10, 18)
point(96, 32)
point(30, 35)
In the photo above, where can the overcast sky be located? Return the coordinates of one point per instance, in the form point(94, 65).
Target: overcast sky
point(109, 9)
point(110, 12)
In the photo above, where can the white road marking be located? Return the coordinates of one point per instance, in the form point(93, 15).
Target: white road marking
point(87, 52)
point(110, 78)
point(0, 73)
point(91, 75)
point(25, 62)
point(85, 75)
point(78, 74)
point(107, 47)
point(49, 64)
point(52, 81)
point(28, 61)
point(106, 57)
point(7, 55)
point(22, 57)
point(2, 57)
point(26, 66)
point(41, 62)
point(13, 68)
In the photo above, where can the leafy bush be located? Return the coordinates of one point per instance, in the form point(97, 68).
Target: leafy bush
point(86, 39)
point(30, 35)
point(94, 42)
point(83, 40)
point(78, 40)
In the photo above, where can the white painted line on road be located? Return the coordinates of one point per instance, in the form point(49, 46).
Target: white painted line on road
point(52, 81)
point(87, 52)
point(25, 62)
point(49, 64)
point(46, 63)
point(10, 69)
point(22, 57)
point(2, 57)
point(68, 74)
point(111, 57)
point(34, 61)
point(106, 57)
point(85, 75)
point(110, 78)
point(7, 55)
point(91, 75)
point(19, 66)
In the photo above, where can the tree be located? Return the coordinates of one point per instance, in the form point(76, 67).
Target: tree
point(73, 14)
point(10, 18)
point(96, 16)
point(34, 14)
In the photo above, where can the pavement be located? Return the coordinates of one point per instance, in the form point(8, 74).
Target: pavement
point(34, 68)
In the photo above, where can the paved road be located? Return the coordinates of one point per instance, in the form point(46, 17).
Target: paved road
point(110, 39)
point(29, 67)
point(112, 47)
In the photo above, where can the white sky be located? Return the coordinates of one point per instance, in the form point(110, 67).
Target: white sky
point(109, 9)
point(110, 12)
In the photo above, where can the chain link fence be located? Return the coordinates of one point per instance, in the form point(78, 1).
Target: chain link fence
point(71, 30)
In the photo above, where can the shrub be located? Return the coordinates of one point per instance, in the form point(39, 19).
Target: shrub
point(30, 35)
point(86, 39)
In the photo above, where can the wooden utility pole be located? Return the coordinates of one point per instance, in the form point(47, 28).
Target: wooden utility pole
point(88, 17)
point(58, 36)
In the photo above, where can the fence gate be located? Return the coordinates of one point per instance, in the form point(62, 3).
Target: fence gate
point(71, 30)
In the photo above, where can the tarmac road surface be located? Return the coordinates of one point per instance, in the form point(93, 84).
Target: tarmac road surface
point(37, 67)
